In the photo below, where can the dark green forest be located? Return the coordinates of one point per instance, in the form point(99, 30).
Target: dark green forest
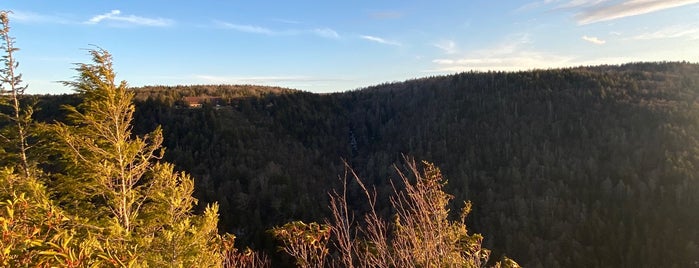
point(577, 167)
point(82, 184)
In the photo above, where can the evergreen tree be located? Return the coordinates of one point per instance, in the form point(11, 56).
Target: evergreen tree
point(34, 230)
point(15, 136)
point(147, 216)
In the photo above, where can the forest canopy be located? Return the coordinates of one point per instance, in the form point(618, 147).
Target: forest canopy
point(574, 167)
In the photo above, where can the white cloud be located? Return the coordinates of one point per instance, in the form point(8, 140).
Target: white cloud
point(290, 81)
point(603, 10)
point(593, 40)
point(116, 16)
point(31, 17)
point(264, 80)
point(583, 3)
point(523, 60)
point(593, 11)
point(254, 29)
point(516, 53)
point(510, 55)
point(326, 32)
point(690, 32)
point(448, 46)
point(379, 40)
point(247, 28)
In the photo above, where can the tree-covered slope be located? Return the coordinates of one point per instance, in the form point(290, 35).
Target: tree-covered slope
point(580, 167)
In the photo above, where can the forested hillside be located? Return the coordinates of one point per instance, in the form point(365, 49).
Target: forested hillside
point(579, 167)
point(79, 187)
point(585, 167)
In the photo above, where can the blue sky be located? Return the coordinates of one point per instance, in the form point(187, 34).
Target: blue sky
point(330, 46)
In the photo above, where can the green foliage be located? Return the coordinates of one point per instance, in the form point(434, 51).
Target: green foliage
point(100, 142)
point(14, 137)
point(176, 237)
point(28, 220)
point(148, 220)
point(116, 204)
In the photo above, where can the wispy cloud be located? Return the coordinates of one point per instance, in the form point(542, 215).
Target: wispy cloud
point(252, 79)
point(292, 81)
point(116, 16)
point(524, 60)
point(511, 54)
point(254, 29)
point(286, 21)
point(690, 32)
point(247, 28)
point(326, 32)
point(593, 11)
point(593, 40)
point(583, 3)
point(605, 10)
point(516, 53)
point(32, 17)
point(448, 46)
point(379, 40)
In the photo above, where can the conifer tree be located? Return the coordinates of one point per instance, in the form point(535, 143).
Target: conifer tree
point(116, 204)
point(15, 136)
point(32, 226)
point(101, 142)
point(148, 217)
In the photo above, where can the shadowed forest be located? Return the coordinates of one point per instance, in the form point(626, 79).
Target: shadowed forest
point(578, 167)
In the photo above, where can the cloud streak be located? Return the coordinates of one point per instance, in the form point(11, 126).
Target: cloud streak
point(254, 29)
point(521, 60)
point(593, 40)
point(116, 16)
point(606, 10)
point(247, 28)
point(379, 40)
point(253, 79)
point(516, 53)
point(690, 32)
point(447, 46)
point(326, 32)
point(31, 17)
point(291, 81)
point(510, 55)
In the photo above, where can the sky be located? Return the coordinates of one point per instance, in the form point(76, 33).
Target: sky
point(333, 46)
